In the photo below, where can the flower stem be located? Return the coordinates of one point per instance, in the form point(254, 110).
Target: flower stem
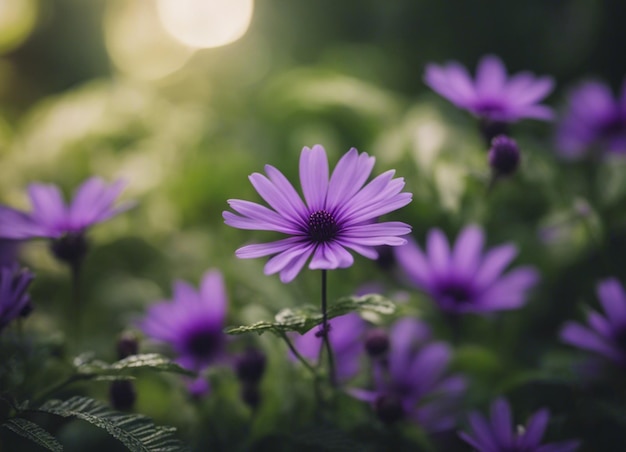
point(297, 354)
point(325, 331)
point(75, 307)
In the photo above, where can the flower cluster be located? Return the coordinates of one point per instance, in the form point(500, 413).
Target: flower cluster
point(412, 382)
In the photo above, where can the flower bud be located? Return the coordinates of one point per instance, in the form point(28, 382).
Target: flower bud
point(250, 394)
point(71, 248)
point(376, 342)
point(504, 155)
point(250, 366)
point(122, 395)
point(127, 345)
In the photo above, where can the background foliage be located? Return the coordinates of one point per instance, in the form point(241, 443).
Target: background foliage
point(341, 74)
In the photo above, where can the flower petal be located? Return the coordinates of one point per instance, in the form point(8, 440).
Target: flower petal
point(314, 176)
point(348, 177)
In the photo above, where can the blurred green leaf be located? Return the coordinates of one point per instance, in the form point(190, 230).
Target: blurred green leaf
point(306, 317)
point(34, 433)
point(137, 432)
point(87, 366)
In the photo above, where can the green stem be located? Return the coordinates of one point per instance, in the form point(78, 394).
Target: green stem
point(76, 307)
point(297, 354)
point(326, 331)
point(56, 388)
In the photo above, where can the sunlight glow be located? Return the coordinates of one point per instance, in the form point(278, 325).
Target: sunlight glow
point(137, 43)
point(206, 23)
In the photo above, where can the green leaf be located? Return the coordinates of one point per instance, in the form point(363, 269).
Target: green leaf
point(306, 317)
point(34, 433)
point(137, 432)
point(88, 367)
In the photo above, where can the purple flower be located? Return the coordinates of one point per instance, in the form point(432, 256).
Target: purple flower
point(346, 339)
point(492, 96)
point(336, 214)
point(51, 217)
point(594, 120)
point(192, 322)
point(605, 334)
point(462, 280)
point(498, 435)
point(412, 382)
point(14, 301)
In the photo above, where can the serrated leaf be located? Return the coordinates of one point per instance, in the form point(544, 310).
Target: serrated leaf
point(87, 366)
point(306, 317)
point(137, 432)
point(34, 433)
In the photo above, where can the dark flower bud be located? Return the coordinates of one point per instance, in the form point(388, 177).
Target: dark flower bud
point(250, 366)
point(250, 394)
point(70, 248)
point(504, 155)
point(122, 395)
point(376, 342)
point(389, 408)
point(27, 309)
point(386, 259)
point(127, 345)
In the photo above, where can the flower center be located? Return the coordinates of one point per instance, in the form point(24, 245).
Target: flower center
point(487, 107)
point(456, 292)
point(620, 338)
point(322, 226)
point(203, 343)
point(389, 408)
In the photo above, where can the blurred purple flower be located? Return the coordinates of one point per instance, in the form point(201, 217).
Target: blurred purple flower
point(412, 382)
point(14, 300)
point(492, 95)
point(462, 280)
point(346, 339)
point(498, 435)
point(594, 121)
point(192, 322)
point(51, 217)
point(339, 213)
point(605, 335)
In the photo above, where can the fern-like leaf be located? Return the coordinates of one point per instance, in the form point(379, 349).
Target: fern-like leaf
point(137, 432)
point(33, 432)
point(303, 318)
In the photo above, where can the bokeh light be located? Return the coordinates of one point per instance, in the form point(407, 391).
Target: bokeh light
point(17, 20)
point(206, 23)
point(137, 43)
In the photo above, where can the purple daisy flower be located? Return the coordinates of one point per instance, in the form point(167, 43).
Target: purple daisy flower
point(14, 300)
point(65, 224)
point(192, 322)
point(594, 120)
point(337, 213)
point(461, 279)
point(605, 334)
point(346, 339)
point(492, 95)
point(412, 382)
point(498, 435)
point(52, 218)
